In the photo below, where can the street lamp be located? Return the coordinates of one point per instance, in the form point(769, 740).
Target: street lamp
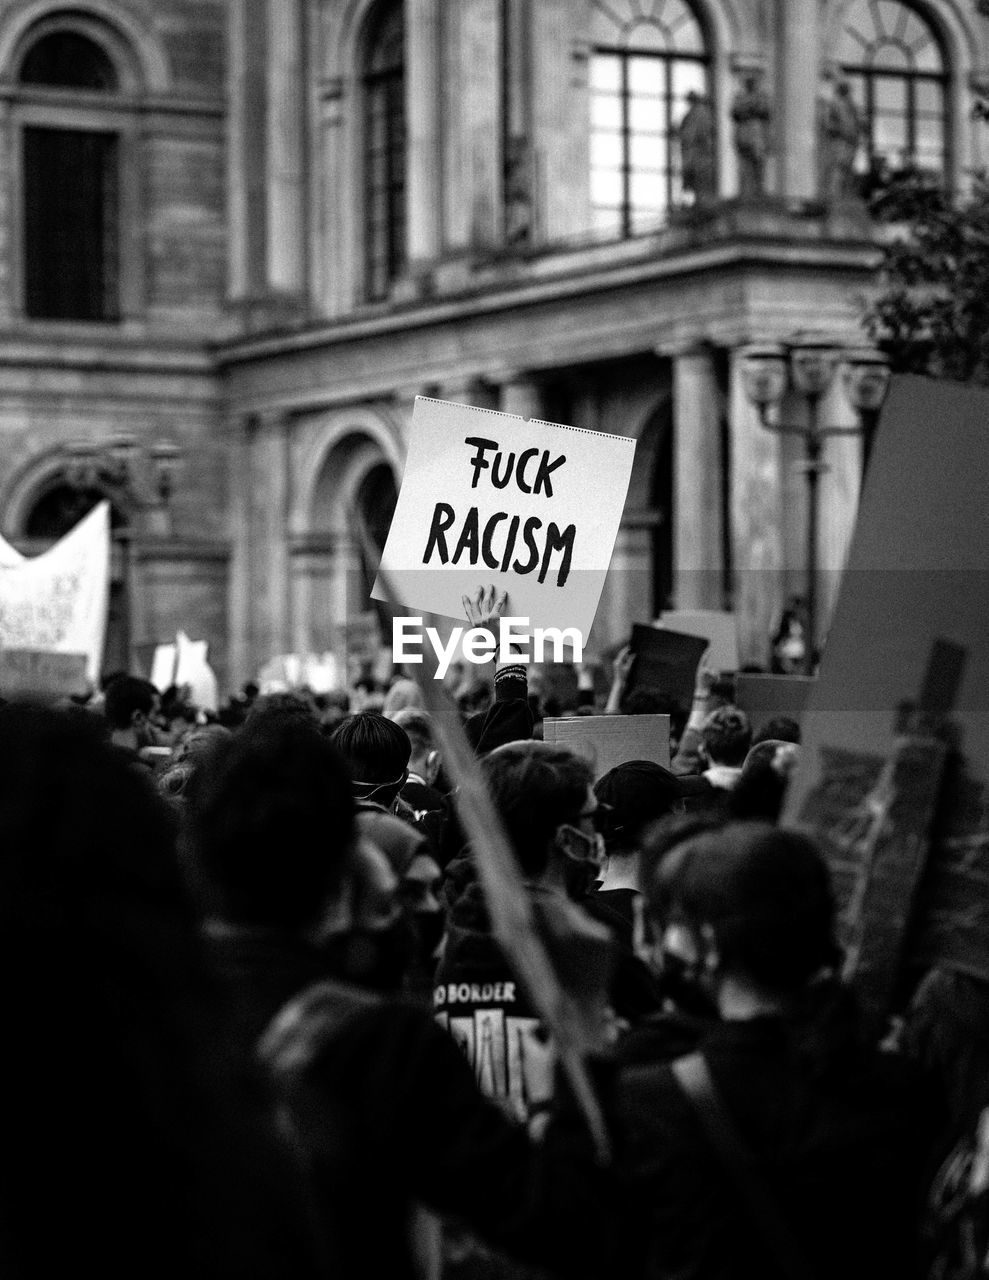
point(136, 482)
point(807, 364)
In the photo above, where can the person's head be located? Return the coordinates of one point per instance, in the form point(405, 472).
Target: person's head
point(779, 729)
point(753, 907)
point(761, 788)
point(425, 759)
point(271, 823)
point(376, 751)
point(633, 795)
point(544, 797)
point(403, 693)
point(129, 703)
point(726, 736)
point(289, 705)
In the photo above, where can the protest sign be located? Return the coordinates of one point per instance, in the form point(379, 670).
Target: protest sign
point(716, 626)
point(532, 507)
point(909, 627)
point(665, 662)
point(35, 673)
point(57, 602)
point(608, 741)
point(764, 698)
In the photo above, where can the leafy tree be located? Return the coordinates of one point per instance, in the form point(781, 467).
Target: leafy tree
point(932, 314)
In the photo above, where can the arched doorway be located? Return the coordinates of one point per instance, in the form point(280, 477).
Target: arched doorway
point(374, 505)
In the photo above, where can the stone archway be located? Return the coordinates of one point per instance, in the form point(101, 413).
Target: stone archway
point(355, 480)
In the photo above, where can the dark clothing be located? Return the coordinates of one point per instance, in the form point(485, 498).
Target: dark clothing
point(635, 993)
point(389, 1113)
point(842, 1156)
point(422, 798)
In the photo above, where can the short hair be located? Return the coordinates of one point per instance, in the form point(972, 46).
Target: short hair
point(781, 728)
point(125, 695)
point(376, 749)
point(727, 736)
point(271, 822)
point(419, 726)
point(764, 891)
point(287, 705)
point(536, 787)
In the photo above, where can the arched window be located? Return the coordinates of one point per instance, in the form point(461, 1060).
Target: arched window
point(896, 67)
point(70, 186)
point(647, 56)
point(384, 150)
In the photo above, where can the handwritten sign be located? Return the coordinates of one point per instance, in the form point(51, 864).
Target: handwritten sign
point(489, 497)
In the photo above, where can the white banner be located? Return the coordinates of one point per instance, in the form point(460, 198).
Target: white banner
point(58, 601)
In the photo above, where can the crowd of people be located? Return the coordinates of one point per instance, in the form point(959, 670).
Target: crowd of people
point(261, 1023)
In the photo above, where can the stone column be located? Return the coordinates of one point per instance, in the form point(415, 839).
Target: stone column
point(337, 267)
point(247, 164)
point(520, 394)
point(627, 593)
point(239, 432)
point(270, 490)
point(312, 563)
point(697, 481)
point(756, 514)
point(285, 154)
point(796, 100)
point(422, 89)
point(472, 112)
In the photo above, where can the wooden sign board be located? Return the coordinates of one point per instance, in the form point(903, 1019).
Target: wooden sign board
point(608, 741)
point(910, 625)
point(764, 698)
point(38, 673)
point(716, 626)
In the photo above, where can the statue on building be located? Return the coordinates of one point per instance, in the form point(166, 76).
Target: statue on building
point(752, 114)
point(518, 191)
point(696, 136)
point(839, 135)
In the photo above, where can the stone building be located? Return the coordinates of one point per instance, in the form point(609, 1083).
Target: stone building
point(256, 229)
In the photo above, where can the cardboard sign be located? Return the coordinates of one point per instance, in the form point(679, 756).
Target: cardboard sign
point(39, 673)
point(918, 573)
point(717, 627)
point(529, 506)
point(608, 741)
point(665, 662)
point(764, 698)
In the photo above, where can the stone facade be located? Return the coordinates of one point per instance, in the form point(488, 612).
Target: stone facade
point(248, 337)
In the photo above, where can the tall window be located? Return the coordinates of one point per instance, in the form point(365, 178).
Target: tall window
point(70, 186)
point(648, 55)
point(384, 150)
point(895, 65)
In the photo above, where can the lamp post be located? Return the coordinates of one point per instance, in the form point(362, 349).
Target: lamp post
point(137, 481)
point(807, 365)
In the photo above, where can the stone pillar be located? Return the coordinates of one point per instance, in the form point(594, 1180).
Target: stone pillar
point(627, 593)
point(756, 514)
point(520, 394)
point(422, 88)
point(796, 100)
point(313, 621)
point(270, 489)
point(247, 164)
point(697, 480)
point(337, 267)
point(239, 433)
point(285, 155)
point(472, 112)
point(559, 97)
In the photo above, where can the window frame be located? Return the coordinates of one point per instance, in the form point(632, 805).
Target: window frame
point(388, 86)
point(89, 111)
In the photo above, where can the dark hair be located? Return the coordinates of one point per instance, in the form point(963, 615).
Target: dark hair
point(99, 958)
point(125, 695)
point(536, 787)
point(660, 838)
point(780, 728)
point(766, 894)
point(271, 821)
point(376, 749)
point(282, 706)
point(727, 736)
